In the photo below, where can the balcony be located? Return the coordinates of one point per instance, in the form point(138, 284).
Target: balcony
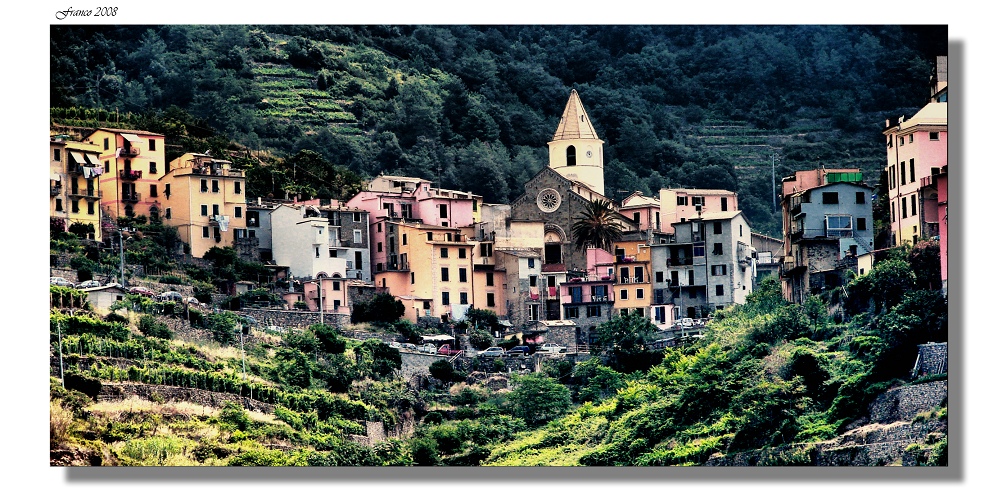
point(392, 266)
point(55, 190)
point(624, 259)
point(129, 151)
point(129, 175)
point(131, 197)
point(86, 193)
point(679, 261)
point(632, 279)
point(599, 298)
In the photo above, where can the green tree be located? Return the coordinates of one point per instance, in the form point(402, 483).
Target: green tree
point(383, 307)
point(479, 339)
point(597, 226)
point(623, 340)
point(486, 320)
point(376, 359)
point(538, 399)
point(329, 339)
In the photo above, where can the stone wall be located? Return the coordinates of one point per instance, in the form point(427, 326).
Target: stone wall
point(115, 392)
point(417, 363)
point(299, 319)
point(932, 359)
point(883, 440)
point(904, 403)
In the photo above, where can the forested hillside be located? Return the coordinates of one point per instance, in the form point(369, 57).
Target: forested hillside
point(472, 107)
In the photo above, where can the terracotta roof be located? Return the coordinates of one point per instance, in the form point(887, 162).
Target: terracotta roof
point(575, 123)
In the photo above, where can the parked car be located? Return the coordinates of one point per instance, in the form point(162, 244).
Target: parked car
point(141, 290)
point(493, 352)
point(192, 301)
point(551, 348)
point(409, 346)
point(447, 350)
point(521, 350)
point(428, 348)
point(171, 296)
point(395, 344)
point(60, 281)
point(88, 284)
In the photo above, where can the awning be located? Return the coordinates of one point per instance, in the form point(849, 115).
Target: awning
point(78, 158)
point(93, 160)
point(437, 337)
point(132, 138)
point(56, 177)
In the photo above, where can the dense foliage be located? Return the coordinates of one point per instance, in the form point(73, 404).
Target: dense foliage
point(472, 107)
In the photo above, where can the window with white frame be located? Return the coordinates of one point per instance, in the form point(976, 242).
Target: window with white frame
point(838, 225)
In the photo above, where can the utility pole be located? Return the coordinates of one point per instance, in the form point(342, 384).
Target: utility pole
point(319, 282)
point(62, 377)
point(121, 251)
point(774, 180)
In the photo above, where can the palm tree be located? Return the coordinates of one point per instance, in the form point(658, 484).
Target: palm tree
point(597, 227)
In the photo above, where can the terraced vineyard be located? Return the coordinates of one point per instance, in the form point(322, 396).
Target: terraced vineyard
point(290, 95)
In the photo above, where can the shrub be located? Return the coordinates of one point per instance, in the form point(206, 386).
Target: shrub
point(433, 418)
point(87, 385)
point(424, 451)
point(149, 326)
point(479, 339)
point(443, 371)
point(170, 280)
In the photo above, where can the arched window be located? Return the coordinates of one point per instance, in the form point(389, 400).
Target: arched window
point(570, 154)
point(154, 214)
point(128, 211)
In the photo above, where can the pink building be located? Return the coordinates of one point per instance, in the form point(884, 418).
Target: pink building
point(644, 211)
point(332, 297)
point(413, 200)
point(680, 205)
point(916, 150)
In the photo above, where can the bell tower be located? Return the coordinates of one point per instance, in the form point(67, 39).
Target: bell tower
point(575, 151)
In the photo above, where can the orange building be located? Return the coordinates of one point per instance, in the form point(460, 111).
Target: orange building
point(204, 198)
point(429, 268)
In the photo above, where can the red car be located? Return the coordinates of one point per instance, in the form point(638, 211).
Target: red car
point(141, 290)
point(447, 350)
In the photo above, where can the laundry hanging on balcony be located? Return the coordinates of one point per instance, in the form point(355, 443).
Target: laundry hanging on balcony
point(223, 222)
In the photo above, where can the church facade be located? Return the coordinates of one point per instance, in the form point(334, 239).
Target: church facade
point(558, 193)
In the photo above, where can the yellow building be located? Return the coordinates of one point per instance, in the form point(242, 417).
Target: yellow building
point(632, 289)
point(204, 198)
point(133, 163)
point(74, 183)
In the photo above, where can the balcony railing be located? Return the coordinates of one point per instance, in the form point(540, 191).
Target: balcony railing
point(599, 298)
point(129, 151)
point(679, 261)
point(129, 175)
point(632, 279)
point(624, 259)
point(54, 190)
point(86, 193)
point(392, 266)
point(131, 197)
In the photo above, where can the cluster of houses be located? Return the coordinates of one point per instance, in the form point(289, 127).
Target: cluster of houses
point(684, 253)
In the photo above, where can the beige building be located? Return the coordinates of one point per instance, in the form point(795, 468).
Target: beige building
point(205, 199)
